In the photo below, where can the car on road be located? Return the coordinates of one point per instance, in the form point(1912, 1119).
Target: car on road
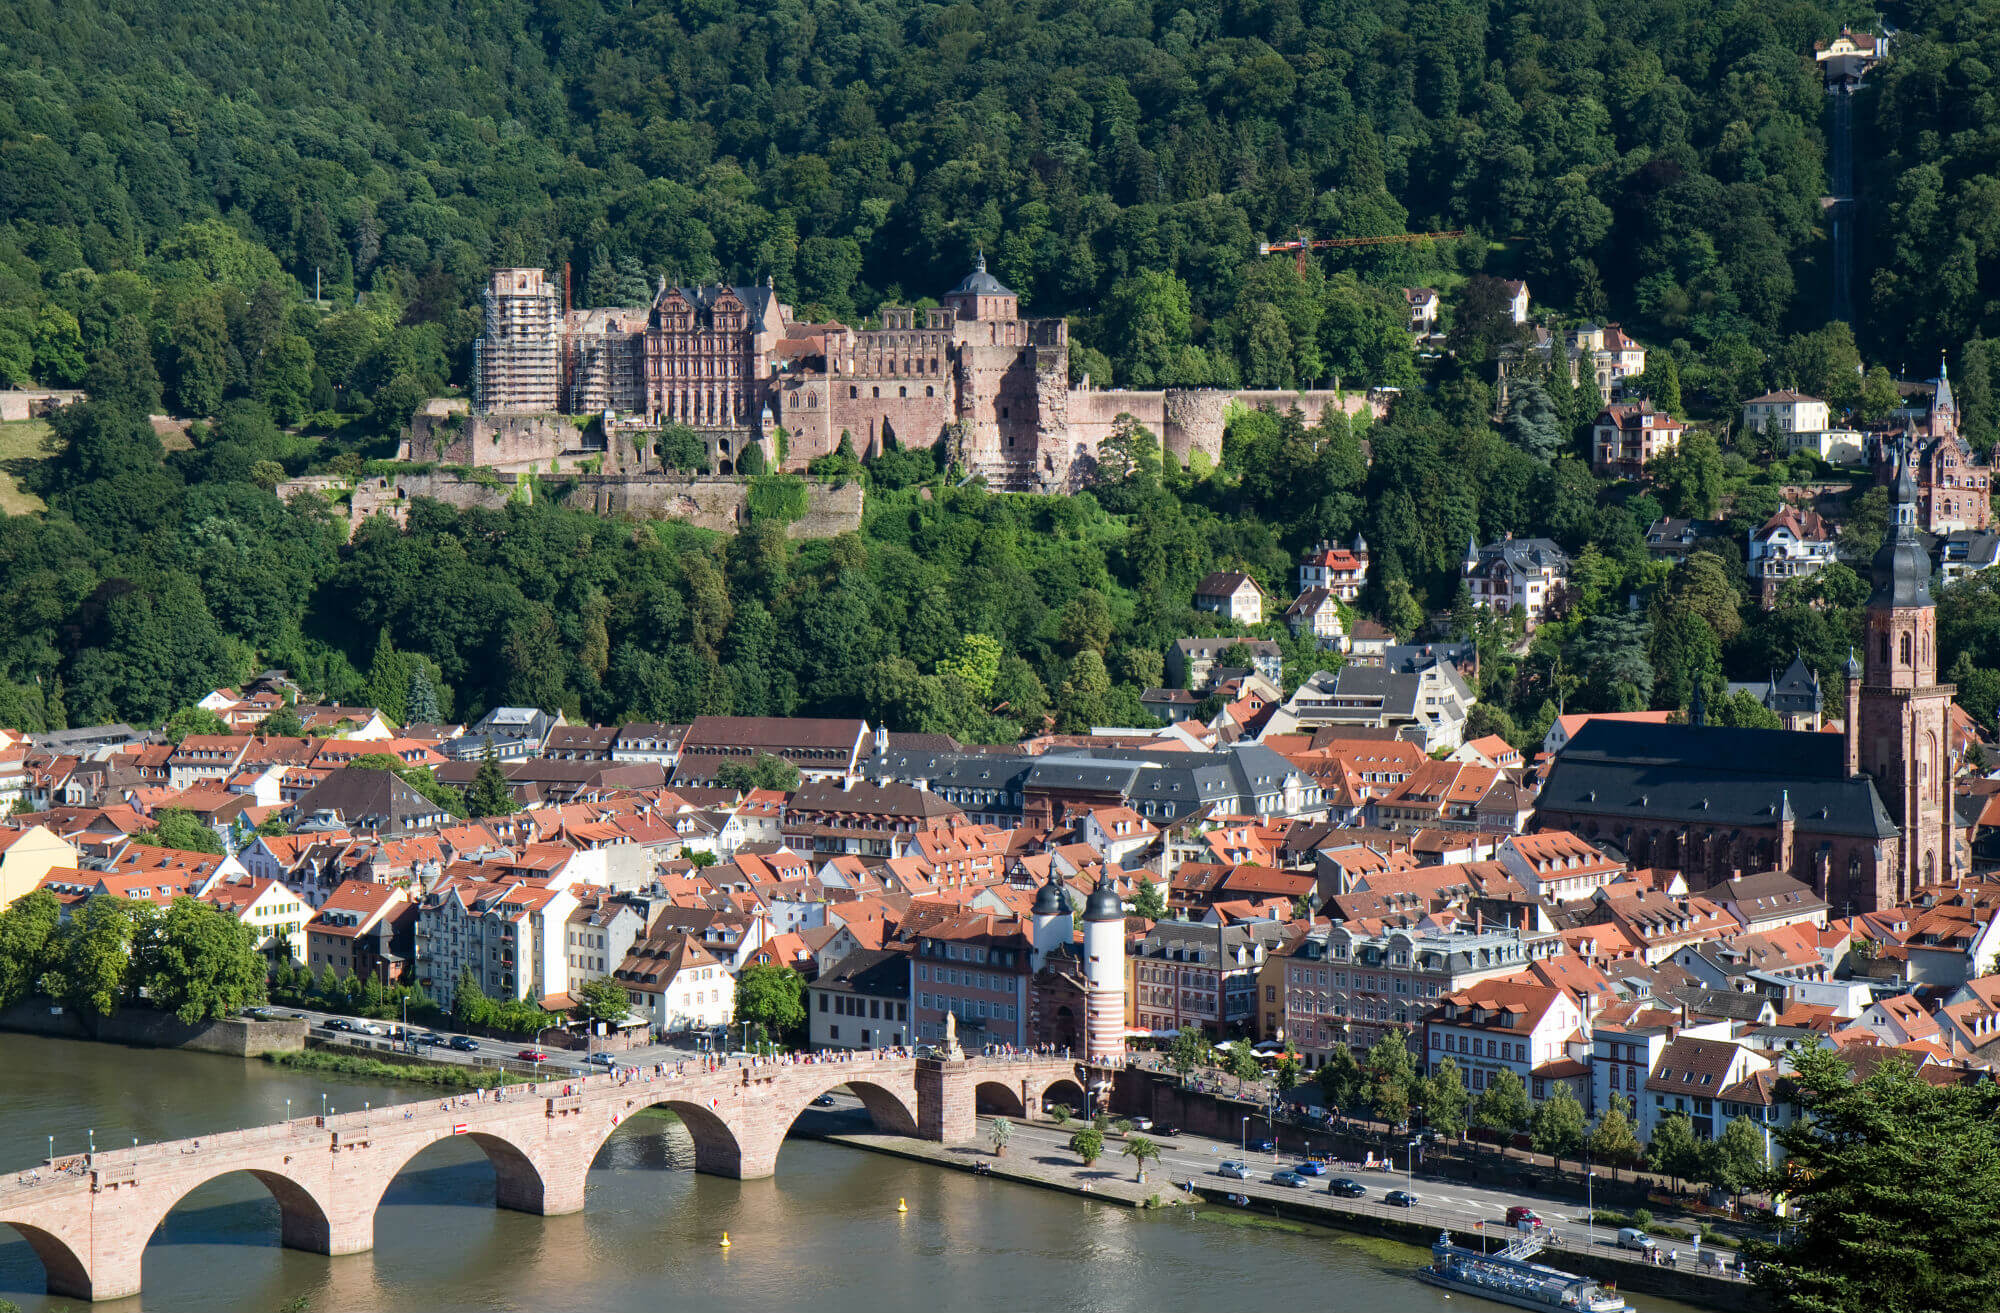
point(368, 1028)
point(301, 1016)
point(1400, 1199)
point(429, 1038)
point(1632, 1237)
point(1231, 1168)
point(1344, 1185)
point(823, 1101)
point(1142, 1123)
point(532, 1055)
point(338, 1023)
point(1522, 1215)
point(1311, 1167)
point(463, 1044)
point(1265, 1146)
point(1287, 1177)
point(1166, 1132)
point(602, 1060)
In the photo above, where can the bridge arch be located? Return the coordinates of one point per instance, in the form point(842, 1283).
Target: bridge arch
point(1061, 1089)
point(64, 1271)
point(304, 1220)
point(892, 1113)
point(518, 1180)
point(717, 1149)
point(996, 1098)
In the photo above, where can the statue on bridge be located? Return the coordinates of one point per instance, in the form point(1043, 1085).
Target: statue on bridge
point(952, 1052)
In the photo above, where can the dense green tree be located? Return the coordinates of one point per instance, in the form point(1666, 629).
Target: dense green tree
point(1893, 1180)
point(1674, 1151)
point(771, 997)
point(200, 963)
point(489, 793)
point(1392, 1077)
point(1502, 1107)
point(1557, 1127)
point(762, 771)
point(1613, 1141)
point(174, 828)
point(28, 943)
point(1447, 1103)
point(1340, 1080)
point(603, 999)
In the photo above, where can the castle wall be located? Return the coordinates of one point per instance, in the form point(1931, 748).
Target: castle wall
point(916, 409)
point(1188, 420)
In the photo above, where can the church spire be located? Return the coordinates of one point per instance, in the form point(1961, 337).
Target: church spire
point(1902, 568)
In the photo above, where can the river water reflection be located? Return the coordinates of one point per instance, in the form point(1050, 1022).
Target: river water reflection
point(823, 1233)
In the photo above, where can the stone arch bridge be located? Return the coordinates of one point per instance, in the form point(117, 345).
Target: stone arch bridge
point(89, 1217)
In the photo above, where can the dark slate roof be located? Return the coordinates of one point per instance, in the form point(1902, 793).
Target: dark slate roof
point(1411, 657)
point(1525, 555)
point(1797, 690)
point(880, 973)
point(1713, 776)
point(1902, 566)
point(981, 283)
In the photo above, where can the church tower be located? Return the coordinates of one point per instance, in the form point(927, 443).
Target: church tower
point(1898, 732)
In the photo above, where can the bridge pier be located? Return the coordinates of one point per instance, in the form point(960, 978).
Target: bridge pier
point(946, 1110)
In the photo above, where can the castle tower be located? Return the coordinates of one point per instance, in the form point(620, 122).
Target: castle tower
point(1050, 919)
point(1104, 973)
point(517, 365)
point(1898, 730)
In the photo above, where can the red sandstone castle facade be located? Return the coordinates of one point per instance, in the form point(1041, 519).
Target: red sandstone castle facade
point(734, 364)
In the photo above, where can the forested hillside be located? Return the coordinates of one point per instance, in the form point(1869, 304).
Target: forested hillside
point(1659, 160)
point(173, 178)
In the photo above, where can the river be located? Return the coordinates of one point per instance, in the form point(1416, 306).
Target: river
point(823, 1231)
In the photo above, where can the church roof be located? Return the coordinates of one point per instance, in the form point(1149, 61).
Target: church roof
point(1796, 690)
point(981, 283)
point(1711, 776)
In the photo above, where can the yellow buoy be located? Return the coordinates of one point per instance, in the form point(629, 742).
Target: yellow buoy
point(725, 1239)
point(902, 1206)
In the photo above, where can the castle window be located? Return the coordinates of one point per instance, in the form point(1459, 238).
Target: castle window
point(1003, 412)
point(853, 392)
point(930, 391)
point(902, 392)
point(878, 391)
point(1906, 649)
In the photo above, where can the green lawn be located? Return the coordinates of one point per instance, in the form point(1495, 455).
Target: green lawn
point(20, 445)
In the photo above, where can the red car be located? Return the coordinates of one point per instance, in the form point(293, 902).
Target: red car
point(532, 1055)
point(1520, 1214)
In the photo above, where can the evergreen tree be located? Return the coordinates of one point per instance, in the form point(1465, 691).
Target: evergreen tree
point(490, 794)
point(420, 702)
point(1612, 1140)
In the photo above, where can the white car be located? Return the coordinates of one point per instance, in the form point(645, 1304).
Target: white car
point(368, 1028)
point(1142, 1123)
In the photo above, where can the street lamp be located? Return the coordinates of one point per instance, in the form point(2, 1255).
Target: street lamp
point(322, 1105)
point(1243, 1146)
point(288, 1112)
point(1590, 1204)
point(93, 1140)
point(1409, 1166)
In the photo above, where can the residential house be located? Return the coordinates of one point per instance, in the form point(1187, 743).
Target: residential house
point(1689, 1077)
point(1792, 544)
point(1627, 434)
point(1352, 983)
point(510, 935)
point(1557, 866)
point(861, 817)
point(976, 966)
point(1784, 412)
point(1423, 304)
point(1170, 705)
point(274, 913)
point(1191, 662)
point(1517, 301)
point(647, 741)
point(204, 757)
point(821, 749)
point(1231, 594)
point(1769, 900)
point(1427, 707)
point(375, 802)
point(27, 854)
point(1671, 537)
point(1202, 976)
point(678, 984)
point(599, 935)
point(363, 929)
point(863, 1002)
point(1342, 571)
point(1523, 572)
point(1514, 1025)
point(1961, 552)
point(1316, 612)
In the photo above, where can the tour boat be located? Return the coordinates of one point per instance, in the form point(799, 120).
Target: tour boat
point(1507, 1277)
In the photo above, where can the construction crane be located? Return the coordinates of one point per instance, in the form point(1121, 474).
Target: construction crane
point(1303, 244)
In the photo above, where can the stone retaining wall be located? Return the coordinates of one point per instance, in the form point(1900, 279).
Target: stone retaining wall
point(157, 1030)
